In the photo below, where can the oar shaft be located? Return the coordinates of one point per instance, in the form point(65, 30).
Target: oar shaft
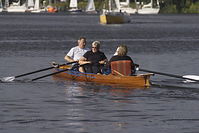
point(21, 75)
point(167, 74)
point(160, 73)
point(33, 72)
point(49, 74)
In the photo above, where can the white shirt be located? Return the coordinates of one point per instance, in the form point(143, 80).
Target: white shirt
point(76, 52)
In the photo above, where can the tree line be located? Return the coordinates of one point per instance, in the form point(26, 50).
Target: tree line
point(179, 6)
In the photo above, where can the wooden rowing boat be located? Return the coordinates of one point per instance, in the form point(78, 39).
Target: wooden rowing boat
point(141, 80)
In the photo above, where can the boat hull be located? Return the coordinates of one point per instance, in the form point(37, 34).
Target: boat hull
point(148, 11)
point(16, 9)
point(130, 81)
point(128, 10)
point(74, 10)
point(114, 18)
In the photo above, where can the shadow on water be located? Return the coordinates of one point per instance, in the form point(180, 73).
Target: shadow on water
point(113, 89)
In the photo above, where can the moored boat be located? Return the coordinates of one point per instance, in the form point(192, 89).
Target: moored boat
point(142, 80)
point(150, 8)
point(51, 9)
point(1, 6)
point(90, 9)
point(74, 7)
point(125, 7)
point(114, 18)
point(114, 15)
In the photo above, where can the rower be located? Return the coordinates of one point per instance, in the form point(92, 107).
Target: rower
point(120, 63)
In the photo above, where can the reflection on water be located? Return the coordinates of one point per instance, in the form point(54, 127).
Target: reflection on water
point(91, 99)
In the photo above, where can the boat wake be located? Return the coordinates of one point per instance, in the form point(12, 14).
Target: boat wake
point(11, 80)
point(171, 84)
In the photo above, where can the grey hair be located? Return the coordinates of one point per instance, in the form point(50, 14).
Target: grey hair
point(122, 50)
point(96, 44)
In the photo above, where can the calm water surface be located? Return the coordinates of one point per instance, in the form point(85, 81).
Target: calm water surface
point(164, 43)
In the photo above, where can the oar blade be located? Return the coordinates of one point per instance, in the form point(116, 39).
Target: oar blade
point(194, 77)
point(8, 79)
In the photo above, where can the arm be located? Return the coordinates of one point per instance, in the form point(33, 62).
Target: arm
point(83, 61)
point(103, 61)
point(70, 55)
point(68, 58)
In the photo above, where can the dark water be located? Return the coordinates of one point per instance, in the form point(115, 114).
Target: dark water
point(164, 43)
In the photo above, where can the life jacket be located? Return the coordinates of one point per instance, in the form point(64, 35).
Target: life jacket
point(121, 67)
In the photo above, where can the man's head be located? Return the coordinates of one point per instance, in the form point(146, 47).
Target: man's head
point(82, 42)
point(95, 46)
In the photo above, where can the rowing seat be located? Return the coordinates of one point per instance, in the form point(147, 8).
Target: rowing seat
point(121, 67)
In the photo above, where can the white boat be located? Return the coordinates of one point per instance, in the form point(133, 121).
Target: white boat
point(149, 8)
point(91, 7)
point(16, 7)
point(30, 5)
point(37, 8)
point(124, 7)
point(114, 15)
point(1, 6)
point(73, 6)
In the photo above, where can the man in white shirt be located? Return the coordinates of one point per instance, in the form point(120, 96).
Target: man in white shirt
point(77, 52)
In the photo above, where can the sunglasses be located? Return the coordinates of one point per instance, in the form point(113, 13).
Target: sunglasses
point(94, 47)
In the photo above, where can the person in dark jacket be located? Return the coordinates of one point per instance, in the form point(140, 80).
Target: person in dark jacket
point(93, 60)
point(122, 63)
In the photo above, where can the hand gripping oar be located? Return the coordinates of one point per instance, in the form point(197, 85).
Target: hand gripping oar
point(192, 78)
point(11, 78)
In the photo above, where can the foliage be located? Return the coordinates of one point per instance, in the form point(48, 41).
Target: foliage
point(194, 8)
point(62, 6)
point(179, 6)
point(168, 9)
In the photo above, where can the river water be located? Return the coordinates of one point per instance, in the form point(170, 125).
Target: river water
point(162, 43)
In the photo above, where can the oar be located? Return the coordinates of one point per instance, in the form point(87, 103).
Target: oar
point(195, 77)
point(75, 66)
point(187, 77)
point(11, 78)
point(50, 74)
